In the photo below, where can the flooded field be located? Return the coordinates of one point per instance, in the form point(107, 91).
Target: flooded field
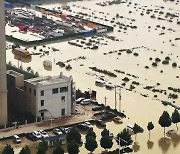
point(142, 36)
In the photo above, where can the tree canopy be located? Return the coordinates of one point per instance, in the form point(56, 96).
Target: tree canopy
point(124, 136)
point(91, 133)
point(73, 147)
point(106, 142)
point(91, 143)
point(75, 135)
point(25, 150)
point(8, 150)
point(58, 150)
point(105, 132)
point(137, 129)
point(175, 117)
point(150, 127)
point(165, 120)
point(42, 147)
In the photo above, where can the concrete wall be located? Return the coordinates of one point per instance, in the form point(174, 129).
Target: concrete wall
point(3, 88)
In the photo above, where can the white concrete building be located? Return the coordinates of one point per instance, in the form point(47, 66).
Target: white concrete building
point(48, 96)
point(45, 97)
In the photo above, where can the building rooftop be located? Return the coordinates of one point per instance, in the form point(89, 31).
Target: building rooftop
point(14, 73)
point(48, 80)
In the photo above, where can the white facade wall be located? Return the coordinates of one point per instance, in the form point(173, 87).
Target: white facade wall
point(53, 102)
point(49, 104)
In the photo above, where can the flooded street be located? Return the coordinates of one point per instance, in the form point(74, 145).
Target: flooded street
point(154, 39)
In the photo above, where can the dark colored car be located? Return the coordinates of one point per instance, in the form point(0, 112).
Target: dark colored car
point(100, 123)
point(82, 127)
point(31, 137)
point(97, 108)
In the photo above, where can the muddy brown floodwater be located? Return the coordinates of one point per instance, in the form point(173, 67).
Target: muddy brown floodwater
point(154, 41)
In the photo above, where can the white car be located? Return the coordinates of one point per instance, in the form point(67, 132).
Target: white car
point(87, 123)
point(37, 134)
point(79, 100)
point(57, 131)
point(16, 139)
point(43, 133)
point(86, 102)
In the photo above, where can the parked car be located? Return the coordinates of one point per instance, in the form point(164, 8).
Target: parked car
point(43, 133)
point(16, 139)
point(31, 137)
point(79, 100)
point(82, 127)
point(37, 134)
point(170, 133)
point(97, 108)
point(117, 120)
point(87, 123)
point(65, 130)
point(111, 135)
point(57, 131)
point(100, 123)
point(86, 102)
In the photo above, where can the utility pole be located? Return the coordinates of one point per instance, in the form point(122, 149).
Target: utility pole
point(119, 94)
point(105, 99)
point(115, 98)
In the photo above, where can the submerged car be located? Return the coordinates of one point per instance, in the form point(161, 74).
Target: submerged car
point(117, 120)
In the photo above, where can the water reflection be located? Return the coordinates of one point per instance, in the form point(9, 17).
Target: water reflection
point(136, 147)
point(175, 140)
point(150, 144)
point(164, 143)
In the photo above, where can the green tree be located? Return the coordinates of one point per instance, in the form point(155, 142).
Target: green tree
point(42, 147)
point(58, 150)
point(75, 135)
point(73, 147)
point(137, 129)
point(125, 138)
point(90, 133)
point(105, 132)
point(91, 143)
point(106, 142)
point(25, 150)
point(150, 127)
point(79, 93)
point(165, 120)
point(175, 117)
point(8, 150)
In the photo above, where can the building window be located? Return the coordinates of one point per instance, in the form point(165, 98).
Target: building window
point(42, 102)
point(34, 92)
point(63, 89)
point(42, 114)
point(63, 112)
point(55, 90)
point(29, 90)
point(42, 92)
point(63, 98)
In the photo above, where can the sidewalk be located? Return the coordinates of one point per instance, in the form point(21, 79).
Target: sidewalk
point(82, 116)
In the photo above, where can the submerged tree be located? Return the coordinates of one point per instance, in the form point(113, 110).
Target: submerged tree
point(137, 129)
point(165, 120)
point(175, 117)
point(150, 127)
point(125, 138)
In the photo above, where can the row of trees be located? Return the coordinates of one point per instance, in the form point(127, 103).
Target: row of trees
point(74, 137)
point(166, 120)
